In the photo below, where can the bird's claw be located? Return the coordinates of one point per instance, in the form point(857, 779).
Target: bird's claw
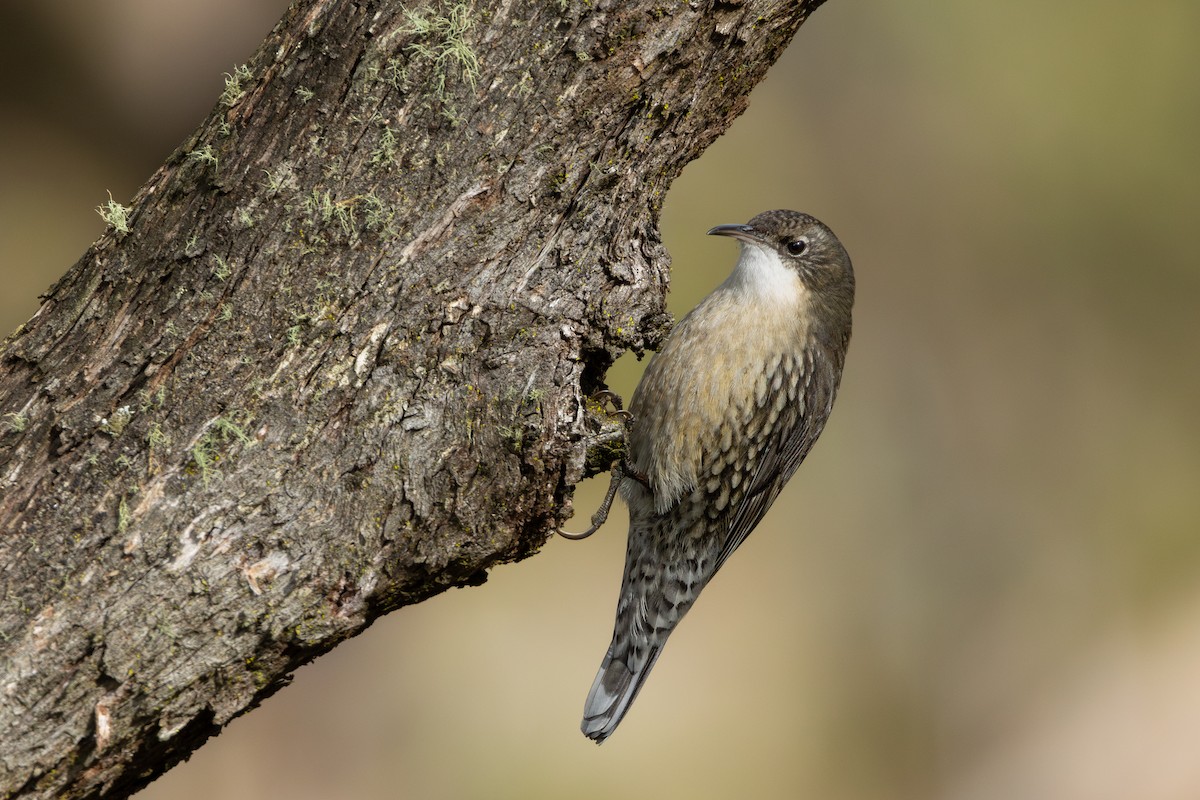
point(619, 470)
point(609, 397)
point(601, 515)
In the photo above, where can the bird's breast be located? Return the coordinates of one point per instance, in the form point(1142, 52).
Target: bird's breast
point(712, 394)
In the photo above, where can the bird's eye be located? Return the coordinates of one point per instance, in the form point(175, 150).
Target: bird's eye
point(797, 246)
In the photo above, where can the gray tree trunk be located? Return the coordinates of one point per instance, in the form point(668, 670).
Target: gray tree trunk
point(334, 359)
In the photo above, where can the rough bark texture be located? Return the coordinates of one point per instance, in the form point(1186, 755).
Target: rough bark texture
point(338, 362)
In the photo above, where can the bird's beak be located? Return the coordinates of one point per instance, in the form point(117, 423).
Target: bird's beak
point(743, 233)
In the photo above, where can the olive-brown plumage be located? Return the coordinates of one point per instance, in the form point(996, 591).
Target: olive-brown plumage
point(723, 416)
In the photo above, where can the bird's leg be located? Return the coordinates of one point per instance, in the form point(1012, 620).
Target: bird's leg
point(601, 516)
point(633, 472)
point(619, 470)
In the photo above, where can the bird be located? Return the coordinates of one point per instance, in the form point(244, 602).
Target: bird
point(725, 413)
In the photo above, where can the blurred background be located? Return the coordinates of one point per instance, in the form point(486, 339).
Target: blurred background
point(985, 581)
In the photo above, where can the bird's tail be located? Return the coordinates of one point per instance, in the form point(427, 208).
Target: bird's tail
point(657, 589)
point(616, 685)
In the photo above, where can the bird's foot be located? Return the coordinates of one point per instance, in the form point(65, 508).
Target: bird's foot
point(619, 472)
point(611, 398)
point(601, 515)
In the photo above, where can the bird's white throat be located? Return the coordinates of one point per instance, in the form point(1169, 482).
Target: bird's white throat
point(761, 273)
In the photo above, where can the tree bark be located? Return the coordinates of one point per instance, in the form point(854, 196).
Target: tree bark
point(336, 358)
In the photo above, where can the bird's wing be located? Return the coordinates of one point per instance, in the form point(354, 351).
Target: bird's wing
point(774, 468)
point(780, 458)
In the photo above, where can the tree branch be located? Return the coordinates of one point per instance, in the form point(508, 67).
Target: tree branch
point(333, 358)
